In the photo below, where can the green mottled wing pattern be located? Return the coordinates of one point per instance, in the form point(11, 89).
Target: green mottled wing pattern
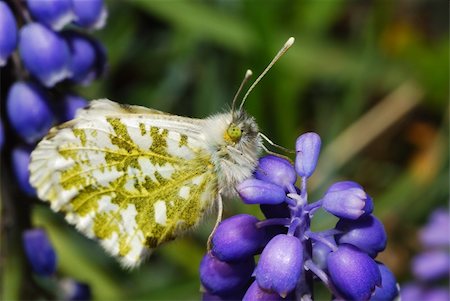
point(131, 177)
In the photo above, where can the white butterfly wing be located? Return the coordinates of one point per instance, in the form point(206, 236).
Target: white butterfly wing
point(129, 176)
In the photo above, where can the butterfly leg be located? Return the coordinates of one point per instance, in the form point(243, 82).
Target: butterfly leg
point(218, 220)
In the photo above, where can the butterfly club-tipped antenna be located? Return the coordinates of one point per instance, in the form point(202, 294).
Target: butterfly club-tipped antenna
point(280, 53)
point(247, 76)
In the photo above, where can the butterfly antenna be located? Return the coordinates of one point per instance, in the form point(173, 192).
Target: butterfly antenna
point(287, 150)
point(247, 76)
point(280, 53)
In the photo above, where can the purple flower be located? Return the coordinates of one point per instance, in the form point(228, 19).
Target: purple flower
point(367, 233)
point(44, 53)
point(276, 170)
point(39, 252)
point(255, 293)
point(70, 105)
point(237, 238)
point(437, 232)
point(75, 291)
point(320, 253)
point(308, 149)
point(353, 272)
point(28, 111)
point(87, 60)
point(20, 161)
point(347, 200)
point(431, 265)
point(220, 277)
point(53, 13)
point(389, 287)
point(8, 33)
point(280, 265)
point(253, 191)
point(90, 14)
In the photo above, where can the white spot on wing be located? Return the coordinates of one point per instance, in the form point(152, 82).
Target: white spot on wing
point(129, 218)
point(197, 180)
point(160, 212)
point(184, 192)
point(105, 178)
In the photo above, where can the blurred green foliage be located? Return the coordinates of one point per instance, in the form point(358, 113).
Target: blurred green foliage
point(188, 58)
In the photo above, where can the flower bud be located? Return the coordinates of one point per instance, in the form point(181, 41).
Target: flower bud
point(20, 161)
point(8, 33)
point(220, 277)
point(28, 111)
point(347, 200)
point(276, 170)
point(367, 233)
point(39, 252)
point(353, 272)
point(237, 238)
point(75, 291)
point(255, 293)
point(44, 53)
point(53, 13)
point(436, 231)
point(86, 58)
point(320, 253)
point(308, 149)
point(431, 265)
point(231, 296)
point(253, 191)
point(90, 14)
point(280, 264)
point(70, 105)
point(389, 287)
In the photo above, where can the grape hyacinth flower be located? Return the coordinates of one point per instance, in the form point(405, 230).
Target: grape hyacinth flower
point(431, 268)
point(44, 53)
point(292, 256)
point(53, 13)
point(42, 42)
point(90, 14)
point(29, 111)
point(8, 33)
point(40, 252)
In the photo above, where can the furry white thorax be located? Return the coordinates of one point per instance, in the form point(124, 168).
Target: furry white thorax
point(234, 162)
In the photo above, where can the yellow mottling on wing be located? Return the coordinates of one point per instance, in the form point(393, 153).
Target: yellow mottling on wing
point(142, 128)
point(81, 135)
point(183, 141)
point(119, 170)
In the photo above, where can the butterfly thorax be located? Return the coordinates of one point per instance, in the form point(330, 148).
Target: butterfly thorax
point(234, 145)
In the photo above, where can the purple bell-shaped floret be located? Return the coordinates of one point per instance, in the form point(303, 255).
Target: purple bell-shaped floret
point(280, 264)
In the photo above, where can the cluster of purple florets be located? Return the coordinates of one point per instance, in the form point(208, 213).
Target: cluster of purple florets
point(431, 268)
point(45, 50)
point(292, 256)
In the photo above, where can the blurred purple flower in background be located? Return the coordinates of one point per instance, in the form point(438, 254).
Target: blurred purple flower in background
point(292, 256)
point(43, 43)
point(431, 268)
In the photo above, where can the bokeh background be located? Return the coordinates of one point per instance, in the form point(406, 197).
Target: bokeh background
point(371, 77)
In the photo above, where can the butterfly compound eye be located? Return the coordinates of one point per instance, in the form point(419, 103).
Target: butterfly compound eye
point(234, 133)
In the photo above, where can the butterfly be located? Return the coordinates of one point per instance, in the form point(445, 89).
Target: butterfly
point(133, 177)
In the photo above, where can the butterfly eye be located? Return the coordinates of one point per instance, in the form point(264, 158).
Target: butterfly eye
point(234, 133)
